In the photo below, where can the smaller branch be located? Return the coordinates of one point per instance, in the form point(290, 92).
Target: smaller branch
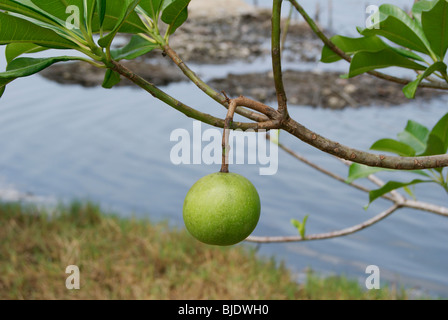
point(221, 99)
point(225, 136)
point(429, 207)
point(276, 58)
point(252, 104)
point(325, 171)
point(326, 235)
point(397, 198)
point(176, 104)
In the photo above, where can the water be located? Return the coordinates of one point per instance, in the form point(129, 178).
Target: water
point(113, 146)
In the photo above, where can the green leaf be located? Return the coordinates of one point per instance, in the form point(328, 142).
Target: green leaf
point(152, 8)
point(296, 223)
point(301, 226)
point(438, 138)
point(408, 54)
point(393, 146)
point(435, 25)
point(415, 135)
point(10, 6)
point(101, 9)
point(419, 7)
point(106, 41)
point(23, 67)
point(111, 78)
point(396, 25)
point(351, 46)
point(411, 88)
point(392, 185)
point(54, 12)
point(13, 29)
point(14, 50)
point(409, 192)
point(135, 48)
point(175, 14)
point(3, 83)
point(359, 171)
point(366, 61)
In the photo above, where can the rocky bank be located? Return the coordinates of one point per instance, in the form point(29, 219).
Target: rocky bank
point(222, 35)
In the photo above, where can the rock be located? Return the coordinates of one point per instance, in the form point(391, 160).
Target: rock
point(326, 90)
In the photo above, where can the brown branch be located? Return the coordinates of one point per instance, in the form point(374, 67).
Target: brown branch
point(362, 157)
point(326, 235)
point(225, 136)
point(327, 172)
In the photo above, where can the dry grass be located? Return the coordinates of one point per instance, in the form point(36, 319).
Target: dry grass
point(128, 259)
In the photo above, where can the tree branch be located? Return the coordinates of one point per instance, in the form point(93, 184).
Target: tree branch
point(207, 89)
point(188, 111)
point(326, 235)
point(362, 157)
point(276, 58)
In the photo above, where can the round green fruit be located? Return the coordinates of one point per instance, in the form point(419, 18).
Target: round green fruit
point(221, 209)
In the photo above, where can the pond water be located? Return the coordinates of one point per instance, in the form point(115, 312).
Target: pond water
point(60, 143)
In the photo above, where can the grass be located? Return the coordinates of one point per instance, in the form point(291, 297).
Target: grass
point(134, 259)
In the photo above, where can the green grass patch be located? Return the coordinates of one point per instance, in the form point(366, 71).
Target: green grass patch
point(123, 258)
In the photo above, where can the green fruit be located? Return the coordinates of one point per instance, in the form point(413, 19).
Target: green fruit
point(221, 209)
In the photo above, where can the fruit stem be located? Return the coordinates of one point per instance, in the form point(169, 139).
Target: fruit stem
point(225, 136)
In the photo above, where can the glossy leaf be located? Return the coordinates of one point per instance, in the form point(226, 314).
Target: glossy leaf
point(351, 46)
point(392, 185)
point(411, 88)
point(111, 78)
point(14, 50)
point(398, 27)
point(101, 10)
point(23, 67)
point(438, 138)
point(435, 25)
point(408, 54)
point(54, 11)
point(301, 226)
point(12, 6)
point(135, 48)
point(3, 83)
point(367, 61)
point(419, 7)
point(152, 8)
point(107, 40)
point(175, 14)
point(359, 171)
point(393, 146)
point(13, 29)
point(415, 135)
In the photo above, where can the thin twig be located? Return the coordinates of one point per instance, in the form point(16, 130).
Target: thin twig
point(215, 95)
point(326, 235)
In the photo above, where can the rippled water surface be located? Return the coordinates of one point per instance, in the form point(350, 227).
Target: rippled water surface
point(113, 146)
